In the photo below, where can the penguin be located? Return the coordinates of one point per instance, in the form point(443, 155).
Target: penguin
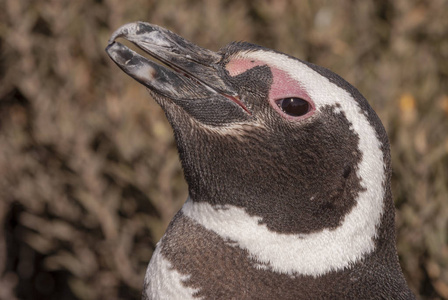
point(288, 171)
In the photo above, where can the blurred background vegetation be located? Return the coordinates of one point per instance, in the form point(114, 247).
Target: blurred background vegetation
point(89, 174)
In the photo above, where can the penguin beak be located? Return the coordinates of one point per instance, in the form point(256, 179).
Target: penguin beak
point(184, 72)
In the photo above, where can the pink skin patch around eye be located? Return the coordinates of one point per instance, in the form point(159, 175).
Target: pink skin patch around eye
point(283, 86)
point(238, 66)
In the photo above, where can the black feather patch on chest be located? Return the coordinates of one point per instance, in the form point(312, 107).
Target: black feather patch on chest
point(217, 269)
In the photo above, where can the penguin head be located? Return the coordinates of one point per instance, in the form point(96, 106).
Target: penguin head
point(289, 142)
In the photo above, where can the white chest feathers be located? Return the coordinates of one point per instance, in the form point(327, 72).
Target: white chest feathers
point(162, 281)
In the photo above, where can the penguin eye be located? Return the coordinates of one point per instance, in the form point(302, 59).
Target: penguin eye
point(293, 106)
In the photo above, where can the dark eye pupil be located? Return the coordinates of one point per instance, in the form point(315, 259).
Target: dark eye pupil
point(294, 106)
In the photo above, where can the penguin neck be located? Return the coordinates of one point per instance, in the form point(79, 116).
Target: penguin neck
point(272, 198)
point(271, 248)
point(271, 227)
point(294, 187)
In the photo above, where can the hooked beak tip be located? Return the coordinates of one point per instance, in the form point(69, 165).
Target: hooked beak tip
point(124, 31)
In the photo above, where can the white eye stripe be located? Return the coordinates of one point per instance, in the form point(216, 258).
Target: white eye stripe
point(317, 253)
